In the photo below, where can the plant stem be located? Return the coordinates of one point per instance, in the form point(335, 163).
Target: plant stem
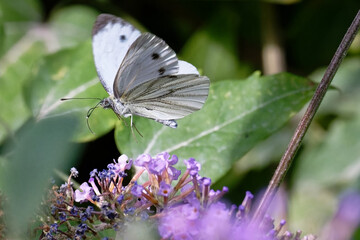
point(273, 56)
point(304, 123)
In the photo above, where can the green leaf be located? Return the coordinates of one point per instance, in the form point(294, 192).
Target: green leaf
point(20, 10)
point(70, 73)
point(236, 116)
point(2, 36)
point(14, 74)
point(40, 148)
point(310, 208)
point(335, 161)
point(329, 162)
point(73, 25)
point(346, 100)
point(17, 17)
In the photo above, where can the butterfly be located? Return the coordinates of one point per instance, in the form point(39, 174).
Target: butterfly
point(143, 75)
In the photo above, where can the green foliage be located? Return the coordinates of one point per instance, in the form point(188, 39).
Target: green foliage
point(72, 28)
point(330, 161)
point(14, 74)
point(236, 116)
point(21, 10)
point(30, 161)
point(69, 73)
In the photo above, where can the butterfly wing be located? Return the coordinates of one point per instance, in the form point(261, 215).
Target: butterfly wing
point(169, 97)
point(148, 58)
point(186, 68)
point(111, 39)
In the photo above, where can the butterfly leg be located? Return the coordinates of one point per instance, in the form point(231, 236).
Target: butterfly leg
point(132, 126)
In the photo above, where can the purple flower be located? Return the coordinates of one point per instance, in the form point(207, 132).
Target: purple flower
point(185, 209)
point(173, 172)
point(165, 189)
point(349, 209)
point(93, 185)
point(89, 210)
point(129, 210)
point(74, 172)
point(53, 228)
point(74, 211)
point(111, 214)
point(64, 187)
point(163, 156)
point(108, 211)
point(215, 223)
point(120, 199)
point(95, 198)
point(80, 230)
point(191, 211)
point(62, 216)
point(85, 194)
point(93, 173)
point(346, 219)
point(103, 175)
point(173, 160)
point(123, 163)
point(157, 166)
point(175, 225)
point(192, 166)
point(143, 160)
point(83, 216)
point(111, 166)
point(205, 181)
point(136, 190)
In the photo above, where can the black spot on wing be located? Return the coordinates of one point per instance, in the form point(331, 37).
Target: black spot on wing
point(161, 71)
point(123, 38)
point(155, 56)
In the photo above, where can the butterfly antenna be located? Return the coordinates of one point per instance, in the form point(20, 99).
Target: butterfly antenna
point(65, 99)
point(87, 118)
point(90, 111)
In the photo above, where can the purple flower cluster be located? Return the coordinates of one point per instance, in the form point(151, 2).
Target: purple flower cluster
point(180, 207)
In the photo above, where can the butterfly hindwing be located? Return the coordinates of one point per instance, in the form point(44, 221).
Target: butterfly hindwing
point(111, 40)
point(169, 97)
point(148, 58)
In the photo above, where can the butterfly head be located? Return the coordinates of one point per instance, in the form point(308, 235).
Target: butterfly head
point(106, 103)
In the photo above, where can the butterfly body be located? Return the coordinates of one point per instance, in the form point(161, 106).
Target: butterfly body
point(125, 111)
point(116, 105)
point(143, 75)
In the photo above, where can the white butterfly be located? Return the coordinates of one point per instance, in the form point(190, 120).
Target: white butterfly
point(142, 74)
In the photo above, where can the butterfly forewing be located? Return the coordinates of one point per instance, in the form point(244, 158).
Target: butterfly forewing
point(148, 58)
point(111, 39)
point(186, 68)
point(169, 97)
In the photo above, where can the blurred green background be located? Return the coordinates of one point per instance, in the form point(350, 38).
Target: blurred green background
point(48, 43)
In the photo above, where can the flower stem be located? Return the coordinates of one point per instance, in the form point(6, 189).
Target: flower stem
point(304, 123)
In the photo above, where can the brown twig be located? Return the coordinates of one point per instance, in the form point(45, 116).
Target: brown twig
point(304, 123)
